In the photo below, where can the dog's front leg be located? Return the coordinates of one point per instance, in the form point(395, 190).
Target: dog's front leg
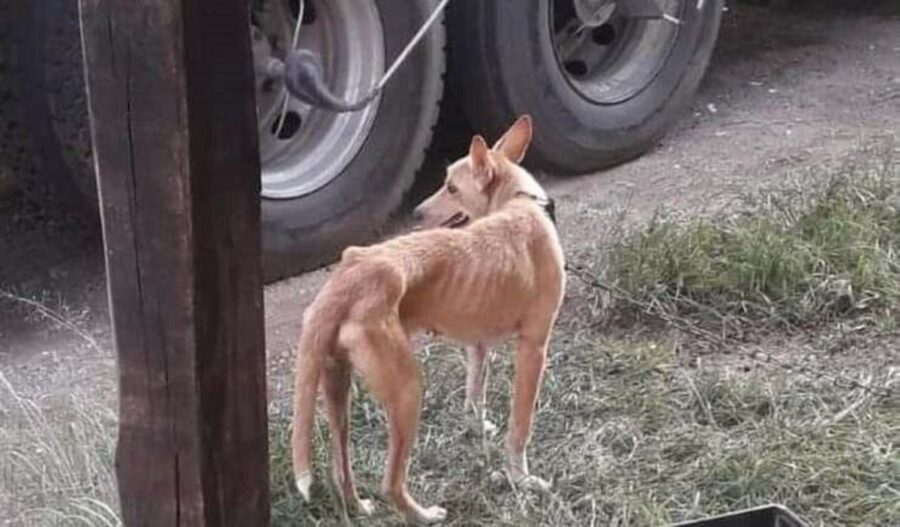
point(529, 363)
point(476, 381)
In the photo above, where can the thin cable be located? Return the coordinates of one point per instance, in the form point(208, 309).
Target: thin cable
point(583, 274)
point(306, 76)
point(285, 96)
point(300, 7)
point(412, 43)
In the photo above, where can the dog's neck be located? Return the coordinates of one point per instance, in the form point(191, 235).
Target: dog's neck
point(515, 182)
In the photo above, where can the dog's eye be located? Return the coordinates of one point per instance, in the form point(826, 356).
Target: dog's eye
point(451, 188)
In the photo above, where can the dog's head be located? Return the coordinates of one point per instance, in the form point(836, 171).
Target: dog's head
point(470, 188)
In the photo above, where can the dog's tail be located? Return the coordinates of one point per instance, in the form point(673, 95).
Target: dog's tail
point(318, 337)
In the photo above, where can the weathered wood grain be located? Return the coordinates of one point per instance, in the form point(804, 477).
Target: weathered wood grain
point(174, 128)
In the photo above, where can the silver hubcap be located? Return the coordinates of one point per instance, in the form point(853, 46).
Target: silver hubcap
point(311, 147)
point(613, 58)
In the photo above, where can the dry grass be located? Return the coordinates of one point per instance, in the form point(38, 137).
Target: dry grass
point(628, 433)
point(631, 436)
point(56, 445)
point(56, 459)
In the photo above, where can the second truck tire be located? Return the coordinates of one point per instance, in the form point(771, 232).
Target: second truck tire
point(599, 95)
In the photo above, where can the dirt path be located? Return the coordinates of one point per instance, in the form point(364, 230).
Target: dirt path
point(785, 92)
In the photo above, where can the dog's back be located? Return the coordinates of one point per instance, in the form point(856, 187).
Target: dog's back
point(476, 284)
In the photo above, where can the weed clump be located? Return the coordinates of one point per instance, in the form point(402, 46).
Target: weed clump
point(796, 258)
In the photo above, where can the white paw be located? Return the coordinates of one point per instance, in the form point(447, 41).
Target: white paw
point(304, 482)
point(365, 507)
point(433, 515)
point(489, 428)
point(482, 427)
point(534, 483)
point(525, 482)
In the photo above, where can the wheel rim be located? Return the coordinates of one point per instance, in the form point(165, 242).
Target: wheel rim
point(616, 59)
point(311, 147)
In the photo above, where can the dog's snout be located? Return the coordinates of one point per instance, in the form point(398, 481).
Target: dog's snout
point(417, 214)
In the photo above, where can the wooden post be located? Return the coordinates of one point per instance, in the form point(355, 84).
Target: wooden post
point(173, 120)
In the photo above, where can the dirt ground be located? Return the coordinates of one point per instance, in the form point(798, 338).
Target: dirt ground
point(786, 93)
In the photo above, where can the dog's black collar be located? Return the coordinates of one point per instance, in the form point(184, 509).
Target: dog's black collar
point(547, 204)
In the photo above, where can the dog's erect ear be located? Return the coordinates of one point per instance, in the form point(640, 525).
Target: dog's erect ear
point(515, 141)
point(481, 162)
point(478, 152)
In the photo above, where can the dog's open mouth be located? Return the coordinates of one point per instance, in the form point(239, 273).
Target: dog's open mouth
point(457, 220)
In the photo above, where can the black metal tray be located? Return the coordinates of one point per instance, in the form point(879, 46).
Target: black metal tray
point(766, 516)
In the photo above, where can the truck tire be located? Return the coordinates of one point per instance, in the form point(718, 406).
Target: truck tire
point(53, 103)
point(329, 180)
point(598, 95)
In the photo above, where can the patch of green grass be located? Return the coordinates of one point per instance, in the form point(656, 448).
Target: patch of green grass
point(796, 258)
point(629, 436)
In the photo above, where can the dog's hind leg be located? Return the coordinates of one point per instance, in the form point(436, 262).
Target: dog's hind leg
point(476, 380)
point(384, 358)
point(336, 389)
point(529, 367)
point(310, 359)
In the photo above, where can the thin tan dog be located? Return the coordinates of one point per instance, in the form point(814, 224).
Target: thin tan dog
point(492, 268)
